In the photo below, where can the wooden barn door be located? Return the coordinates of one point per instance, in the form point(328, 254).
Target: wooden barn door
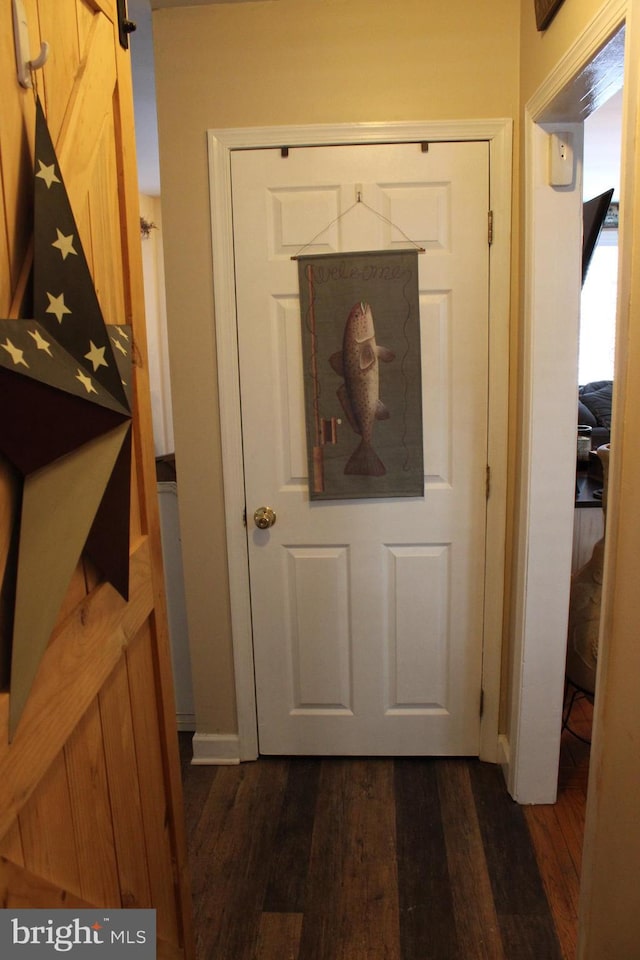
point(90, 796)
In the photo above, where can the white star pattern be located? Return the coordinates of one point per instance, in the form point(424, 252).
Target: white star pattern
point(96, 356)
point(41, 343)
point(118, 346)
point(57, 306)
point(64, 244)
point(86, 382)
point(48, 174)
point(15, 353)
point(67, 424)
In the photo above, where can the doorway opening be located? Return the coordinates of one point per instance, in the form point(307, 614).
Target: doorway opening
point(589, 75)
point(596, 359)
point(222, 143)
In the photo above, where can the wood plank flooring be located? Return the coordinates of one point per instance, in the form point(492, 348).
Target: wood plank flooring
point(557, 830)
point(407, 859)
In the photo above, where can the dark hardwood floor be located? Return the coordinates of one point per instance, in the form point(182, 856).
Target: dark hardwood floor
point(350, 859)
point(557, 830)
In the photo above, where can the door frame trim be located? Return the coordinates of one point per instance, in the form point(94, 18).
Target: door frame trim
point(542, 587)
point(221, 143)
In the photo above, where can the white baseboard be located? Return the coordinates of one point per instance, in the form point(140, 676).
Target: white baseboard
point(185, 721)
point(215, 748)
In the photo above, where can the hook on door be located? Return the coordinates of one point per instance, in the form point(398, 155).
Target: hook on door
point(24, 61)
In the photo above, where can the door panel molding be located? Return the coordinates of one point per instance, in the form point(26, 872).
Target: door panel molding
point(221, 143)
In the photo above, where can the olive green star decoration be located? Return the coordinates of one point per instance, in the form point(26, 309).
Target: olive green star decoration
point(65, 431)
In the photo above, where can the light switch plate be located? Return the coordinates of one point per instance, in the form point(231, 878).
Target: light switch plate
point(560, 159)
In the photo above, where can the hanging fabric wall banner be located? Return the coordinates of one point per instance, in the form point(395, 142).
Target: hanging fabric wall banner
point(362, 374)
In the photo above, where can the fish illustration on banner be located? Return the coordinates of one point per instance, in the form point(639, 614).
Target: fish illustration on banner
point(359, 395)
point(364, 434)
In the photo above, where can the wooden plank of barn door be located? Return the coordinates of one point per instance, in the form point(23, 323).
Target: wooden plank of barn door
point(124, 789)
point(74, 667)
point(57, 77)
point(5, 261)
point(88, 104)
point(145, 470)
point(135, 521)
point(11, 845)
point(17, 119)
point(76, 592)
point(87, 647)
point(104, 215)
point(91, 809)
point(156, 806)
point(107, 7)
point(88, 108)
point(20, 887)
point(146, 478)
point(46, 827)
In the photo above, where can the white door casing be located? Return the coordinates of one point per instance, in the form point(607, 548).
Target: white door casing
point(222, 143)
point(590, 71)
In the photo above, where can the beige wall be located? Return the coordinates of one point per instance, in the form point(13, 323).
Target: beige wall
point(540, 52)
point(290, 62)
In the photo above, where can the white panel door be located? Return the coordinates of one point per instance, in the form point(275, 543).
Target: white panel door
point(367, 614)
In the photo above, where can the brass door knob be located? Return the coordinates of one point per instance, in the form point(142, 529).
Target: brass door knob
point(264, 518)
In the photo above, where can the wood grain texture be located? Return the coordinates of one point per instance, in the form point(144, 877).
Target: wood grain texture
point(156, 812)
point(557, 831)
point(11, 845)
point(279, 936)
point(230, 855)
point(124, 791)
point(477, 925)
point(90, 794)
point(352, 908)
point(518, 892)
point(46, 828)
point(59, 71)
point(286, 892)
point(107, 259)
point(89, 105)
point(145, 516)
point(74, 666)
point(408, 859)
point(17, 126)
point(92, 823)
point(427, 917)
point(20, 887)
point(561, 882)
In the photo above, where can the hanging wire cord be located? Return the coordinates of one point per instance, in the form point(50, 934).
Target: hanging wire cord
point(361, 202)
